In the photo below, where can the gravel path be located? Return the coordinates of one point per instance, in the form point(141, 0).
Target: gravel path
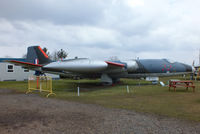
point(30, 114)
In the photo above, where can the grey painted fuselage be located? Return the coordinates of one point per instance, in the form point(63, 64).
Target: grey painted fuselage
point(109, 73)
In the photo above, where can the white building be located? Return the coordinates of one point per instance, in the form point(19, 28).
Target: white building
point(10, 72)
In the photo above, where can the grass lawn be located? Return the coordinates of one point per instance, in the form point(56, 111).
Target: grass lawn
point(143, 97)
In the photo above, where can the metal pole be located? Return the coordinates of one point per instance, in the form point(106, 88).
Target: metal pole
point(40, 86)
point(40, 83)
point(78, 91)
point(127, 89)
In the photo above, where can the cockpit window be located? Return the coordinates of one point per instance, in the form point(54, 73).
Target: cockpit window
point(66, 60)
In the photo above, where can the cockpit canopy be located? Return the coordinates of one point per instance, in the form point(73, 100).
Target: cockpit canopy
point(170, 61)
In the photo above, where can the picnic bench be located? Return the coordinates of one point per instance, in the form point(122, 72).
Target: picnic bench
point(179, 83)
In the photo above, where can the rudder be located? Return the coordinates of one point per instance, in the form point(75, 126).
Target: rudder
point(36, 55)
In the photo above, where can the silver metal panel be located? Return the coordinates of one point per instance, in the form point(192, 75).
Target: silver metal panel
point(81, 66)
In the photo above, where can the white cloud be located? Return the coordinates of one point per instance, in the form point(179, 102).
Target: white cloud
point(55, 36)
point(135, 3)
point(103, 28)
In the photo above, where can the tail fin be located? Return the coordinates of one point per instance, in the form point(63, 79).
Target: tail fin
point(36, 55)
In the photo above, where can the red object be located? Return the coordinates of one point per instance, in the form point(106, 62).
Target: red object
point(43, 52)
point(186, 84)
point(26, 63)
point(115, 64)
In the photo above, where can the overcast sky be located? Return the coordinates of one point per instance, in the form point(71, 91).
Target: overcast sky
point(103, 28)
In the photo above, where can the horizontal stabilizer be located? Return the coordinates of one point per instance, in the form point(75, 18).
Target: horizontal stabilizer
point(115, 64)
point(24, 64)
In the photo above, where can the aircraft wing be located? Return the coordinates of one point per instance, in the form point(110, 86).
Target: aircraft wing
point(24, 64)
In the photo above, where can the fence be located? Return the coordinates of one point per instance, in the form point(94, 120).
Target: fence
point(40, 83)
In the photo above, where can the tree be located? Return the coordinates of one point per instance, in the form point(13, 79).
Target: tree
point(54, 56)
point(46, 51)
point(62, 54)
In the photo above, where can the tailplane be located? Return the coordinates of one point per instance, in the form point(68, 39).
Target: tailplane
point(36, 55)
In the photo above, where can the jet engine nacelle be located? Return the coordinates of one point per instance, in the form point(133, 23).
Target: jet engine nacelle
point(132, 65)
point(78, 65)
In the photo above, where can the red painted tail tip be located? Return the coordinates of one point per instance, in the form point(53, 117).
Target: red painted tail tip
point(115, 64)
point(43, 52)
point(25, 63)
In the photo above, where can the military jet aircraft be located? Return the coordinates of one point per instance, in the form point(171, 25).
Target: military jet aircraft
point(109, 71)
